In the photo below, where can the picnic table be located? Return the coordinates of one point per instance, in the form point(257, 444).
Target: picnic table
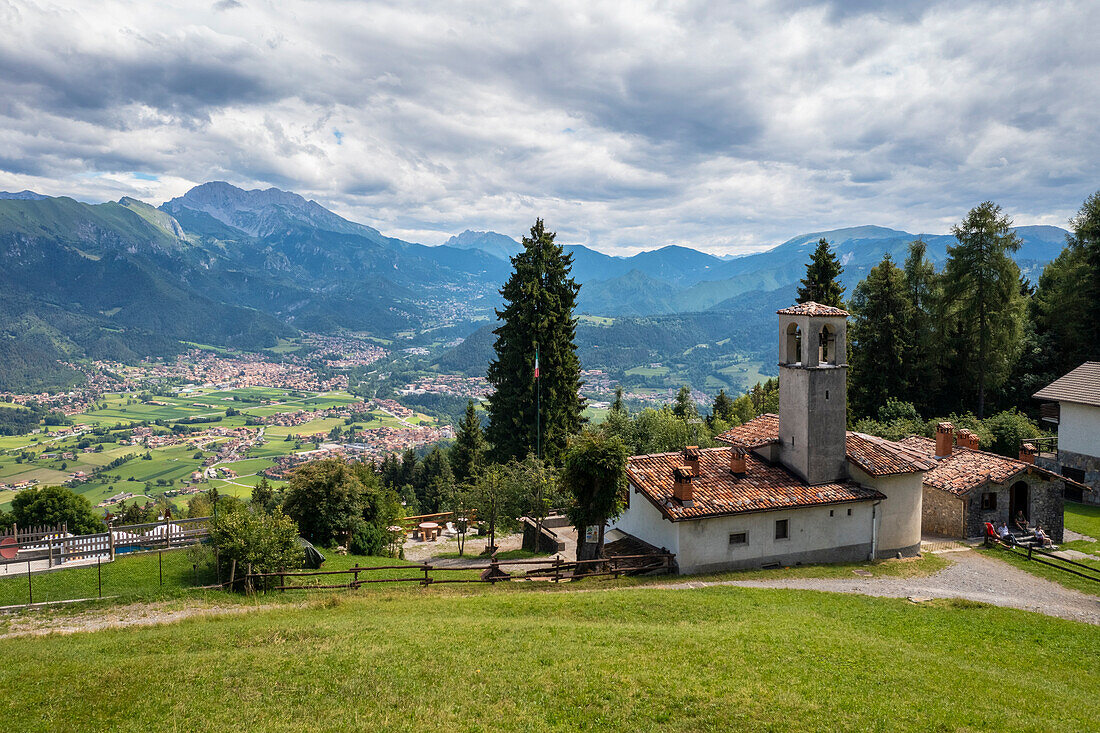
point(428, 531)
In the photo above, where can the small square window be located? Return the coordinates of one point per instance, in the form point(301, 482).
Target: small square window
point(830, 512)
point(849, 511)
point(739, 538)
point(989, 501)
point(782, 529)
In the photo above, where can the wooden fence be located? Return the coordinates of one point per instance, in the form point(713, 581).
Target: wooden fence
point(555, 571)
point(56, 546)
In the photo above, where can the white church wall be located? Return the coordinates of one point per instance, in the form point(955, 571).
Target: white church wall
point(815, 535)
point(645, 521)
point(899, 521)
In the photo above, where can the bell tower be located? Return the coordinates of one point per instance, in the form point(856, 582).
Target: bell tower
point(813, 391)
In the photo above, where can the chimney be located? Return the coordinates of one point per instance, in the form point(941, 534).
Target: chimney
point(943, 439)
point(967, 439)
point(692, 454)
point(1027, 453)
point(681, 486)
point(737, 461)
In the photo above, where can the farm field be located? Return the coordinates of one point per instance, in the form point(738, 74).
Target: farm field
point(625, 659)
point(170, 467)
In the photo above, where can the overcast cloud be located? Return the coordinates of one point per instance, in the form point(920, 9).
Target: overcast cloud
point(727, 127)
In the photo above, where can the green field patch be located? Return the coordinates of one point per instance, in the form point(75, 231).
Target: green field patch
point(249, 465)
point(647, 371)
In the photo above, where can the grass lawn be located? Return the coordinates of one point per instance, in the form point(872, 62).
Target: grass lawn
point(1083, 518)
point(635, 659)
point(1080, 518)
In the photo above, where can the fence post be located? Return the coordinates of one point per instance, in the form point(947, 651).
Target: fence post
point(232, 572)
point(49, 550)
point(30, 588)
point(99, 570)
point(160, 567)
point(557, 569)
point(111, 543)
point(426, 580)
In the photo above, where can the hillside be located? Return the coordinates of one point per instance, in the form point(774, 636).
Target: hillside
point(511, 659)
point(236, 268)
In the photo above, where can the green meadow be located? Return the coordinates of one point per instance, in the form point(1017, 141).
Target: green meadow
point(637, 659)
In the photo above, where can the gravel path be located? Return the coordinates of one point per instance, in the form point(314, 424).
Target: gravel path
point(970, 575)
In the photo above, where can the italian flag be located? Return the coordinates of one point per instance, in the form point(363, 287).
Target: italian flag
point(536, 362)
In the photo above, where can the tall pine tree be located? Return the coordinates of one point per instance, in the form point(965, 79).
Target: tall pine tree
point(538, 313)
point(982, 288)
point(879, 338)
point(821, 284)
point(923, 356)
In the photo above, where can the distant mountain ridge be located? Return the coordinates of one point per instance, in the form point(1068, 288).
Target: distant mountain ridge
point(230, 267)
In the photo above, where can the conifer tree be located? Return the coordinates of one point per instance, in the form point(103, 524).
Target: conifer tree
point(821, 284)
point(923, 358)
point(538, 314)
point(1086, 240)
point(981, 284)
point(468, 452)
point(879, 338)
point(684, 407)
point(723, 408)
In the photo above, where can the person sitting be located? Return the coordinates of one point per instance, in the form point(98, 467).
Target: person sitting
point(1042, 538)
point(1021, 522)
point(1004, 535)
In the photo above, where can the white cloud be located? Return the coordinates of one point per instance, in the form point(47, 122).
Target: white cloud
point(726, 127)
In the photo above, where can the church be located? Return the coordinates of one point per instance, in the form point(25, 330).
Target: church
point(798, 487)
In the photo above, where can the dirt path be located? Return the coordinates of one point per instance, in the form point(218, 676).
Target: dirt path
point(970, 575)
point(40, 623)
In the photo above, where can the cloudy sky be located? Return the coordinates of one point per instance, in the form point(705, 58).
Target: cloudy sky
point(724, 126)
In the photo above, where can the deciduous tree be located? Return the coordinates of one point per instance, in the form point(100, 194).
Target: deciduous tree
point(594, 475)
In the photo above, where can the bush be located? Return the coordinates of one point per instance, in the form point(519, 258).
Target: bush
point(334, 503)
point(53, 505)
point(267, 542)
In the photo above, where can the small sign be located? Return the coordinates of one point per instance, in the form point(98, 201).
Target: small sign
point(592, 534)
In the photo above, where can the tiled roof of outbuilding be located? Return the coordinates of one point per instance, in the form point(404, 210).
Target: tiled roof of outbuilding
point(1082, 386)
point(876, 456)
point(718, 492)
point(965, 468)
point(810, 308)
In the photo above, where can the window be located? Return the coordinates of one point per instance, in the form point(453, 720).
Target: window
point(989, 501)
point(830, 512)
point(739, 538)
point(849, 511)
point(826, 395)
point(782, 529)
point(1074, 474)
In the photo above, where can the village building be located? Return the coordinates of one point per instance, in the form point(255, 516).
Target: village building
point(1072, 403)
point(798, 487)
point(794, 487)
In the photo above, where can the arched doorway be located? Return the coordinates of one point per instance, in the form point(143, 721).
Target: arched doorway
point(1019, 500)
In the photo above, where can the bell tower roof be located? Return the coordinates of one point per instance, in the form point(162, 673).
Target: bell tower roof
point(810, 308)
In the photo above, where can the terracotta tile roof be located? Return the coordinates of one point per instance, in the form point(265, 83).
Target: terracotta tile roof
point(758, 432)
point(876, 456)
point(717, 492)
point(1082, 385)
point(965, 469)
point(881, 457)
point(810, 308)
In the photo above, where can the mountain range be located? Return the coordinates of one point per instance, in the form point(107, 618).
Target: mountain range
point(231, 267)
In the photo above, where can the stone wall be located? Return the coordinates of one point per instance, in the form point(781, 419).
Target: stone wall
point(1081, 462)
point(941, 513)
point(1045, 506)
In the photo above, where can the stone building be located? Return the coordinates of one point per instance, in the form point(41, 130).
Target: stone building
point(1072, 403)
point(968, 487)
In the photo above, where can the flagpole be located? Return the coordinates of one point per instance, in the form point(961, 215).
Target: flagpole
point(538, 406)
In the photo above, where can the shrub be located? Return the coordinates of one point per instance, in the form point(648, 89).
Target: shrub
point(267, 542)
point(54, 505)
